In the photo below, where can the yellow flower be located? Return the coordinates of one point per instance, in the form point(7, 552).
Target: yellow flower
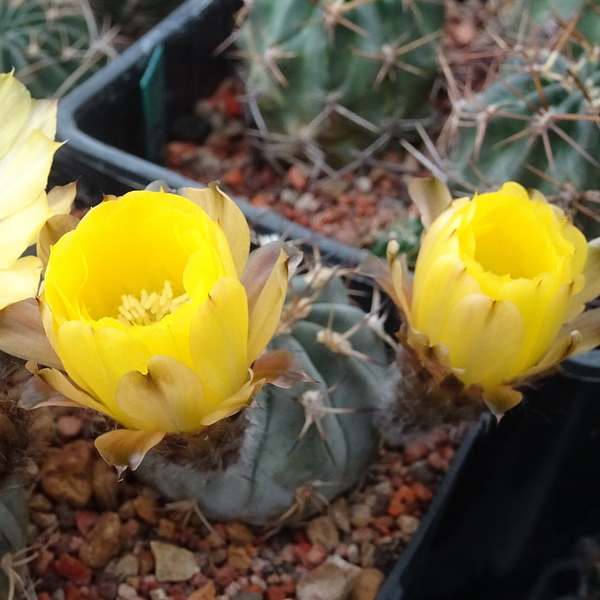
point(26, 152)
point(157, 316)
point(497, 284)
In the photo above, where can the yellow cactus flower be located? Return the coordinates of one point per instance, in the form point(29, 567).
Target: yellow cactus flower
point(498, 284)
point(26, 152)
point(159, 318)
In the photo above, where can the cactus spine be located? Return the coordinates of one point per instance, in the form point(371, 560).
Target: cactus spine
point(326, 78)
point(304, 445)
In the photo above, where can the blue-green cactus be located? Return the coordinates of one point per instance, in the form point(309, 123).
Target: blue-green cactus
point(313, 438)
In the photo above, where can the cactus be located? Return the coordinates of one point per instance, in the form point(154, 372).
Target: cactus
point(326, 78)
point(133, 17)
point(537, 124)
point(303, 445)
point(51, 44)
point(547, 16)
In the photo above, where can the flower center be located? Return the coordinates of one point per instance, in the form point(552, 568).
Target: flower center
point(150, 308)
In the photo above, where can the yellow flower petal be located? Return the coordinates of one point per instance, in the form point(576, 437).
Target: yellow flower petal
point(124, 448)
point(501, 398)
point(218, 341)
point(235, 403)
point(265, 303)
point(224, 211)
point(96, 359)
point(475, 320)
point(168, 398)
point(57, 380)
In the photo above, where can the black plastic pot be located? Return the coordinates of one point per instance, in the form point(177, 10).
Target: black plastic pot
point(107, 129)
point(510, 516)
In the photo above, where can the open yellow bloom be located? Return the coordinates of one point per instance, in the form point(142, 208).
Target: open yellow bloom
point(26, 152)
point(498, 283)
point(493, 282)
point(157, 317)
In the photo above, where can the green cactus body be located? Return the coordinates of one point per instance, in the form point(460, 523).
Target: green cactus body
point(547, 15)
point(515, 130)
point(13, 525)
point(277, 463)
point(335, 83)
point(51, 45)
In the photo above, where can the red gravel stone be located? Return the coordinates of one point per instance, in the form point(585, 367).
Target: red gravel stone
point(225, 575)
point(415, 450)
point(276, 592)
point(72, 568)
point(85, 520)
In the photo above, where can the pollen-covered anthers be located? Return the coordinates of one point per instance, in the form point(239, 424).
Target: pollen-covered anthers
point(150, 308)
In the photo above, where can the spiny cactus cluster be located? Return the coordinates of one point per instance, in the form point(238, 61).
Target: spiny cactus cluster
point(304, 445)
point(326, 78)
point(51, 44)
point(537, 124)
point(133, 17)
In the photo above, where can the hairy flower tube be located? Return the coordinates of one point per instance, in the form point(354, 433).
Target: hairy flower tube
point(159, 318)
point(498, 284)
point(26, 152)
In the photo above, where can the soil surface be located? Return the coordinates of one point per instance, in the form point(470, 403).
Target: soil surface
point(94, 537)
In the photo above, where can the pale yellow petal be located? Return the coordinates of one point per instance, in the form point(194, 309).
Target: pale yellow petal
point(26, 114)
point(22, 334)
point(20, 281)
point(168, 398)
point(224, 211)
point(61, 198)
point(431, 196)
point(265, 311)
point(218, 341)
point(20, 229)
point(24, 172)
point(123, 448)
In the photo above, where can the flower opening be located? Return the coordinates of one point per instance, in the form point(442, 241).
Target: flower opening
point(159, 317)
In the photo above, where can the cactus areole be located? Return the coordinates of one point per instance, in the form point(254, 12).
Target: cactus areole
point(325, 79)
point(536, 125)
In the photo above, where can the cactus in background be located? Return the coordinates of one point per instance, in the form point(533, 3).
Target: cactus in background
point(547, 16)
point(326, 78)
point(133, 17)
point(304, 445)
point(51, 44)
point(537, 124)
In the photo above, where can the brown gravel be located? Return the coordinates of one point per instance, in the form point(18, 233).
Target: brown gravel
point(123, 541)
point(351, 208)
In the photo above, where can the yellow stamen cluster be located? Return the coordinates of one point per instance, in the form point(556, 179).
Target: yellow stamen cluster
point(149, 308)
